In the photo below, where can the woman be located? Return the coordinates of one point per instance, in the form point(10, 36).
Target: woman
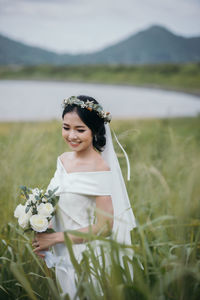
point(93, 196)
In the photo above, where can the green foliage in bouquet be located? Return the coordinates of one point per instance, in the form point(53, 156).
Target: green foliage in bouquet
point(38, 209)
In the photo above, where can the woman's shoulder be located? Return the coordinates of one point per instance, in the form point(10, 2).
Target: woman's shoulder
point(97, 164)
point(101, 165)
point(65, 156)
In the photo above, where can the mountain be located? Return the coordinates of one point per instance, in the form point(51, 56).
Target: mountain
point(151, 46)
point(154, 45)
point(17, 53)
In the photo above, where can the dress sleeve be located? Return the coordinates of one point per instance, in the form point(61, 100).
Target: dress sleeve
point(90, 183)
point(85, 183)
point(55, 181)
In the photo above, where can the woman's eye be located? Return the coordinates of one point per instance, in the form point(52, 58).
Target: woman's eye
point(81, 130)
point(65, 128)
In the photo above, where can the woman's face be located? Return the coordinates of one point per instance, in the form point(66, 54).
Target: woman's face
point(76, 133)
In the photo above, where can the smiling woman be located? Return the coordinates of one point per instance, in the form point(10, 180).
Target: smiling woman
point(89, 201)
point(76, 133)
point(89, 119)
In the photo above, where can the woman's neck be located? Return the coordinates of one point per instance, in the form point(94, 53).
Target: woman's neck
point(85, 154)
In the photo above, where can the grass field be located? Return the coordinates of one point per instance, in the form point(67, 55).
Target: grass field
point(165, 195)
point(180, 77)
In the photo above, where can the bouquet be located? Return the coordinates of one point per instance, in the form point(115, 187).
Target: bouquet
point(38, 210)
point(36, 214)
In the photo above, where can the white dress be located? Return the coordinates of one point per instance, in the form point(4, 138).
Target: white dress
point(75, 210)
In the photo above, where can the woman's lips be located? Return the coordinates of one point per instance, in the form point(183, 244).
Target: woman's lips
point(74, 144)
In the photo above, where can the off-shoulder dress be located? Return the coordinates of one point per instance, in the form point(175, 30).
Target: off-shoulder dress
point(75, 210)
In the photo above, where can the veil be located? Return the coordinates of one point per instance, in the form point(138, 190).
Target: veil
point(124, 219)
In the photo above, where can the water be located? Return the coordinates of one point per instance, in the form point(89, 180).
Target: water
point(41, 100)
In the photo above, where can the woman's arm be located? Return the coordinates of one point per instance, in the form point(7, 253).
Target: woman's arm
point(103, 226)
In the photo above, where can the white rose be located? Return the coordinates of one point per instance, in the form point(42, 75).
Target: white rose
point(19, 210)
point(39, 223)
point(23, 220)
point(45, 209)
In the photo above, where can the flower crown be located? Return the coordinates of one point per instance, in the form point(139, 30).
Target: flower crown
point(90, 105)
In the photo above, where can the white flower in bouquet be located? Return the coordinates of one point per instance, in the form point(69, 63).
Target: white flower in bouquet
point(44, 200)
point(37, 212)
point(31, 199)
point(39, 223)
point(36, 191)
point(45, 209)
point(24, 220)
point(38, 209)
point(19, 210)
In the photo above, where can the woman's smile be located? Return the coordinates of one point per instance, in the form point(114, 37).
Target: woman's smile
point(74, 144)
point(76, 133)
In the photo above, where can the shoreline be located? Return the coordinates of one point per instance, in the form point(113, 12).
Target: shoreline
point(115, 120)
point(145, 86)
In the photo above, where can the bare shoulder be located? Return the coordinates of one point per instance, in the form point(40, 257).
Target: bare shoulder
point(65, 156)
point(95, 164)
point(101, 165)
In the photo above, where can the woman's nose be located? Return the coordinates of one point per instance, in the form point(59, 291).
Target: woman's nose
point(72, 135)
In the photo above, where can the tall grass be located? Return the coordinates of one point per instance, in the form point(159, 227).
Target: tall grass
point(164, 192)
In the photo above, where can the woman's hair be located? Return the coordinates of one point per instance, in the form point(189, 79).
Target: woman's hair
point(91, 119)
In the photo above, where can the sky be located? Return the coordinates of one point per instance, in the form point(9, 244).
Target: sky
point(81, 26)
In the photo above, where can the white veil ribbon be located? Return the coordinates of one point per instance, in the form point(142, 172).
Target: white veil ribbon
point(124, 219)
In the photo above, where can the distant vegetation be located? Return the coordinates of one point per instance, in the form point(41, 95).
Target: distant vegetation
point(181, 77)
point(164, 192)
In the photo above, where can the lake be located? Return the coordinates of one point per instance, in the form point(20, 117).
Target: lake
point(22, 100)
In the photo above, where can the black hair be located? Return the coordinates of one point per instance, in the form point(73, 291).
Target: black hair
point(91, 119)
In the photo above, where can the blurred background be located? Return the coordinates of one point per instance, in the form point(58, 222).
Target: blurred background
point(141, 60)
point(149, 46)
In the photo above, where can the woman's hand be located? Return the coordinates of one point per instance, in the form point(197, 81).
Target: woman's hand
point(43, 241)
point(40, 254)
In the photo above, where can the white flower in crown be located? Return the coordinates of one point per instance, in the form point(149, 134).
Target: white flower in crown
point(90, 105)
point(109, 117)
point(104, 114)
point(39, 223)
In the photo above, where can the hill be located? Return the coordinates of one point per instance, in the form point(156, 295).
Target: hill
point(17, 53)
point(151, 46)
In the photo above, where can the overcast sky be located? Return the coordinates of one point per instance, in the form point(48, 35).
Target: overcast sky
point(88, 25)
